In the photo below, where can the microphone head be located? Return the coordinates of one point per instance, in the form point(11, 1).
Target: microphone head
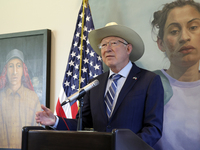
point(95, 82)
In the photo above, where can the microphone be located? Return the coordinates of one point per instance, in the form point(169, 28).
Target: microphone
point(81, 92)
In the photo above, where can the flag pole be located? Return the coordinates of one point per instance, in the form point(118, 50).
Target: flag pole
point(81, 50)
point(80, 101)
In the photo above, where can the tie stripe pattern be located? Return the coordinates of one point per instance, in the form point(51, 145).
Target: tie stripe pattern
point(110, 95)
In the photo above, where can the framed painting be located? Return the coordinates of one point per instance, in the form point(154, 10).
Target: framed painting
point(24, 82)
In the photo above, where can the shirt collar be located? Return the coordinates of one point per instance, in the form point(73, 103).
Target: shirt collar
point(18, 92)
point(124, 72)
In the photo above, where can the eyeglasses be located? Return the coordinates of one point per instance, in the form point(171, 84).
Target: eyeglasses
point(112, 44)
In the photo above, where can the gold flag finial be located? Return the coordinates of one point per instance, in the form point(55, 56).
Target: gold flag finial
point(85, 2)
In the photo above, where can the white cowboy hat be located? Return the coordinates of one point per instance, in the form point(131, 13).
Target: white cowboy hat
point(113, 29)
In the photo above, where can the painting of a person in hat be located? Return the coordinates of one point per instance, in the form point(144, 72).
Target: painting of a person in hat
point(18, 101)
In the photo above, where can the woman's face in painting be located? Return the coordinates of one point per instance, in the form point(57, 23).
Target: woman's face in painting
point(181, 40)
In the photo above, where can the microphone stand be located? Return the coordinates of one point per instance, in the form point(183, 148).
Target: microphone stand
point(80, 99)
point(79, 126)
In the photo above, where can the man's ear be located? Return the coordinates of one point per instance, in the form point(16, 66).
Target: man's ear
point(160, 44)
point(129, 48)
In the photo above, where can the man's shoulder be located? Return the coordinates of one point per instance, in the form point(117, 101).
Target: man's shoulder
point(162, 76)
point(145, 72)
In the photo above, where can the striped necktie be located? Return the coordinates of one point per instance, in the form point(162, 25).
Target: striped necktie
point(110, 95)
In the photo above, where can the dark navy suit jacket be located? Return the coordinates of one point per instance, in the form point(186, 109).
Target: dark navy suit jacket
point(139, 106)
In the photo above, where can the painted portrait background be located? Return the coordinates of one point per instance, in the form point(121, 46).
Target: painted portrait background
point(137, 15)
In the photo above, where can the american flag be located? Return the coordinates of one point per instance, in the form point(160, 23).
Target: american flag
point(81, 67)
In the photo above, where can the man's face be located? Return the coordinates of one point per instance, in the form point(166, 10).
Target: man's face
point(114, 53)
point(15, 71)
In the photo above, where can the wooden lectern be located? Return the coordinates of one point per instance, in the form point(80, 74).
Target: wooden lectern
point(37, 138)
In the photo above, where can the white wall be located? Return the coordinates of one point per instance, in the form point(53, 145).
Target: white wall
point(57, 15)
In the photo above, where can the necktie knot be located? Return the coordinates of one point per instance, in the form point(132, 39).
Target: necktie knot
point(116, 77)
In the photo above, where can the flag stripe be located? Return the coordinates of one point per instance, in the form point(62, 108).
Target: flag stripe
point(60, 112)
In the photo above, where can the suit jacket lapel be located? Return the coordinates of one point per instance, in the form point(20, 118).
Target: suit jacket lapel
point(129, 83)
point(101, 91)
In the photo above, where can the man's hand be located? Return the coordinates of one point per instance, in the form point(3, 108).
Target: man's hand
point(45, 117)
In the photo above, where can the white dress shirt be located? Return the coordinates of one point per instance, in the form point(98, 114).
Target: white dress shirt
point(124, 73)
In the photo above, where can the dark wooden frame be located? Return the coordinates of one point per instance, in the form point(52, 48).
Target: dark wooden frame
point(36, 46)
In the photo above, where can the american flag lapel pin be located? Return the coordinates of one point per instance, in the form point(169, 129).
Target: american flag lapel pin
point(134, 78)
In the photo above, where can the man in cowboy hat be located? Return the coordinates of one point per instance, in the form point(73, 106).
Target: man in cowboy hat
point(135, 100)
